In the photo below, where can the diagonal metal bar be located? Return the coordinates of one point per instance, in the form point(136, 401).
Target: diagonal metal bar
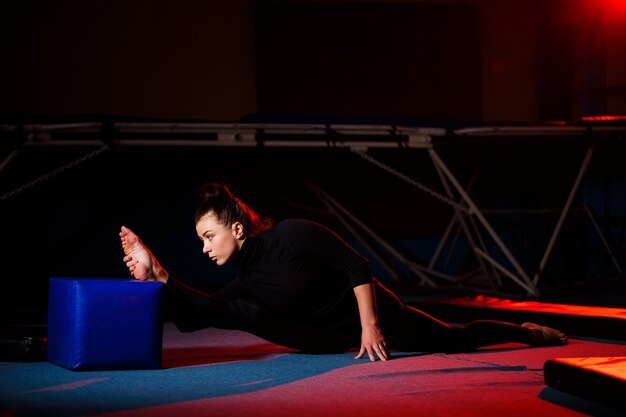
point(466, 229)
point(606, 245)
point(370, 232)
point(449, 229)
point(502, 269)
point(473, 209)
point(444, 239)
point(566, 209)
point(329, 204)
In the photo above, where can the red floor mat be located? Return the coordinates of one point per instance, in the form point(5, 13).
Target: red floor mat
point(536, 306)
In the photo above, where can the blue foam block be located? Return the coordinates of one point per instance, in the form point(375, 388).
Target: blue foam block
point(104, 323)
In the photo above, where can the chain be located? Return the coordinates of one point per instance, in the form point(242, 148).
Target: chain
point(376, 162)
point(51, 174)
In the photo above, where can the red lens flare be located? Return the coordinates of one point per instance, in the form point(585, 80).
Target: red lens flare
point(606, 12)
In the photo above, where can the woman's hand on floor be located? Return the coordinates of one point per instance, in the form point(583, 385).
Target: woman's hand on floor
point(373, 342)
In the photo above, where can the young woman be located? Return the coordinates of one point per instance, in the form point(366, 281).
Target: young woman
point(303, 287)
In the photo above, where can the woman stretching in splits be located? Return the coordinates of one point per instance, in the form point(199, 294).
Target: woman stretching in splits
point(302, 287)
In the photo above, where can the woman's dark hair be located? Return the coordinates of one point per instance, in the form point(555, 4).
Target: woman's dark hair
point(217, 198)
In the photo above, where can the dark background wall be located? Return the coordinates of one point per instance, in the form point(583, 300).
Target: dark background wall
point(526, 61)
point(369, 59)
point(520, 60)
point(190, 59)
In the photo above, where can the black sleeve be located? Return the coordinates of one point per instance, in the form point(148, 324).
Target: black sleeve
point(191, 309)
point(323, 245)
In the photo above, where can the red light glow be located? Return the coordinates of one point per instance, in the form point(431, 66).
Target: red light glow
point(595, 14)
point(602, 118)
point(607, 11)
point(485, 301)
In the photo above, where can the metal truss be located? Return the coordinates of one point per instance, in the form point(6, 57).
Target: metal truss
point(470, 219)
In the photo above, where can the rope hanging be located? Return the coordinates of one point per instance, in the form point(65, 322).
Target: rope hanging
point(51, 174)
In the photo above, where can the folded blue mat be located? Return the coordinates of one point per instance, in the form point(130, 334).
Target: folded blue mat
point(104, 323)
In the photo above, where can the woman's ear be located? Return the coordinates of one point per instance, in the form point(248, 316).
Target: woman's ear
point(237, 230)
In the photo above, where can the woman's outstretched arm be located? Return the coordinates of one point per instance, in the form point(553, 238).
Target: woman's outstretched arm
point(372, 339)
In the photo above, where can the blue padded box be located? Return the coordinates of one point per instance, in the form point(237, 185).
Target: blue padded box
point(104, 323)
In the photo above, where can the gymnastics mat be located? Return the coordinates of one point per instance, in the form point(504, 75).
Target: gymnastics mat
point(600, 379)
point(104, 323)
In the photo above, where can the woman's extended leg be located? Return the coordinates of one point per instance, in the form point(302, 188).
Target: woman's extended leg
point(249, 316)
point(240, 314)
point(407, 328)
point(490, 332)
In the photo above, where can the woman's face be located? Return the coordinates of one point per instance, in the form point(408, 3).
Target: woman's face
point(220, 242)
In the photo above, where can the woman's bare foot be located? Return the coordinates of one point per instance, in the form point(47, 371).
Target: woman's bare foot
point(139, 260)
point(544, 336)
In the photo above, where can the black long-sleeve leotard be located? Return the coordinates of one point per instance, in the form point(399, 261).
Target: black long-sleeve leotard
point(295, 288)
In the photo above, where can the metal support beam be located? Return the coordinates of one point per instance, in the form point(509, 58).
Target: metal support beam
point(418, 271)
point(566, 209)
point(474, 210)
